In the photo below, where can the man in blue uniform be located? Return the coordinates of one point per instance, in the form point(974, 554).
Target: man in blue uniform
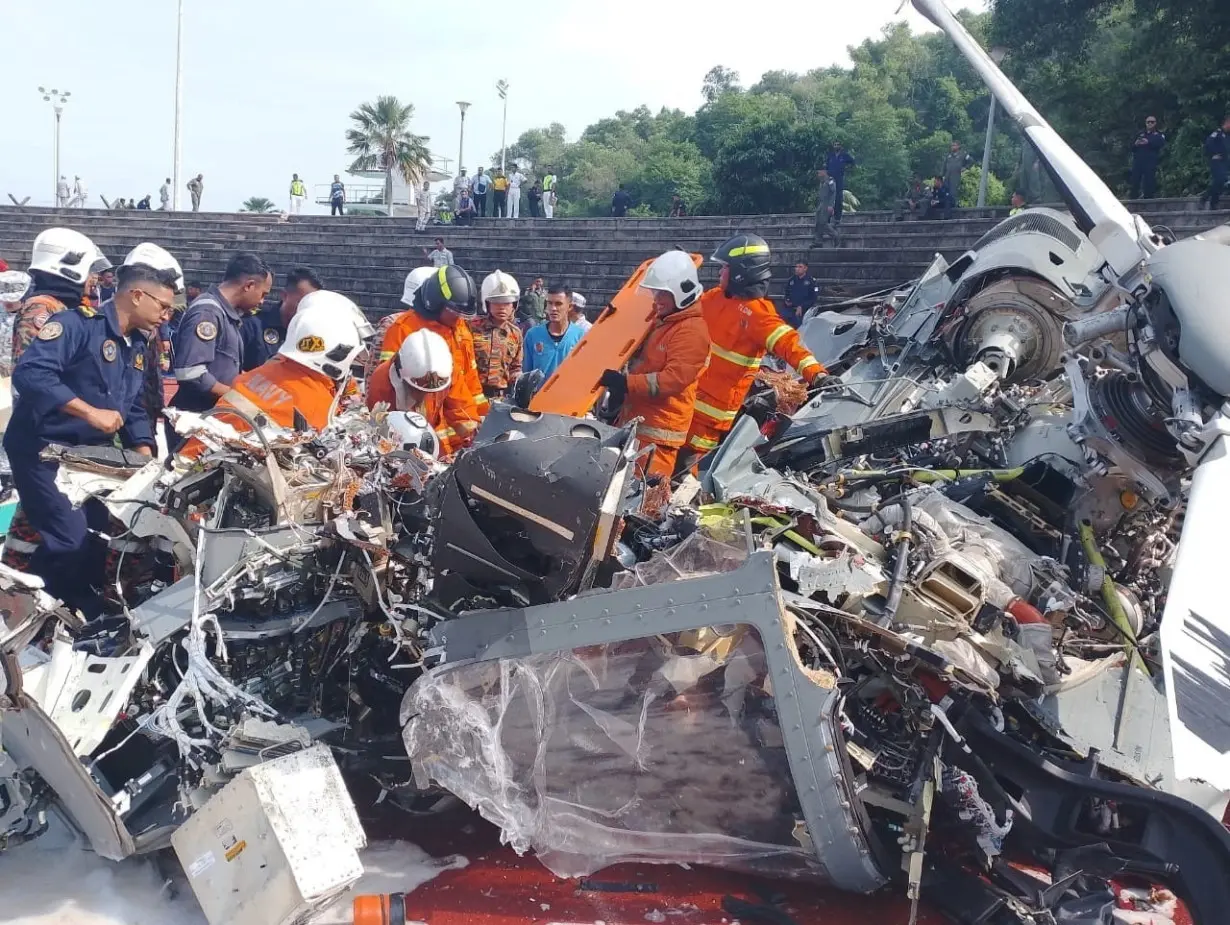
point(208, 345)
point(264, 332)
point(80, 384)
point(838, 161)
point(1217, 150)
point(1146, 152)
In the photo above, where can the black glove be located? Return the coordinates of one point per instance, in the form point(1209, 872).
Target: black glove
point(616, 385)
point(823, 383)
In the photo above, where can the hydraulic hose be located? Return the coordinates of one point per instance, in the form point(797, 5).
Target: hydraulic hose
point(1110, 596)
point(901, 565)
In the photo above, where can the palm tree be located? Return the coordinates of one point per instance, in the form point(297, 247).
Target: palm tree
point(259, 204)
point(382, 140)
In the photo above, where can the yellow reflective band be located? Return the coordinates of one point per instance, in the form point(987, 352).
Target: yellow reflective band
point(703, 443)
point(808, 363)
point(386, 355)
point(716, 413)
point(447, 432)
point(652, 380)
point(662, 436)
point(778, 333)
point(481, 399)
point(750, 249)
point(737, 358)
point(442, 276)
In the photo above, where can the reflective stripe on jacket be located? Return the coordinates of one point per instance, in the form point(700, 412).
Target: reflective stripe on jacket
point(443, 410)
point(742, 332)
point(663, 376)
point(466, 387)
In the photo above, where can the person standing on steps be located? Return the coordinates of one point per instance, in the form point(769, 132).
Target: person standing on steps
point(1217, 151)
point(298, 194)
point(63, 192)
point(515, 179)
point(164, 195)
point(837, 163)
point(337, 196)
point(79, 194)
point(1146, 152)
point(621, 202)
point(499, 192)
point(479, 188)
point(826, 210)
point(955, 164)
point(196, 186)
point(441, 256)
point(548, 193)
point(535, 197)
point(424, 207)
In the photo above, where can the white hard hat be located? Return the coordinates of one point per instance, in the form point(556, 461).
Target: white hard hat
point(675, 273)
point(500, 287)
point(13, 285)
point(156, 258)
point(425, 362)
point(326, 334)
point(67, 254)
point(410, 431)
point(414, 279)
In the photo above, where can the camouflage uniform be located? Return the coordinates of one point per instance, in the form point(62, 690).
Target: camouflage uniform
point(497, 347)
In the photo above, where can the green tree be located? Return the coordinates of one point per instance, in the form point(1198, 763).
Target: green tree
point(719, 80)
point(258, 204)
point(381, 140)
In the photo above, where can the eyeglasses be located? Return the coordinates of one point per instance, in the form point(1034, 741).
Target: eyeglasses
point(167, 307)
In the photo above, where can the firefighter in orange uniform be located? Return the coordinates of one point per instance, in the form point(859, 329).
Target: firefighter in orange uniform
point(443, 303)
point(309, 371)
point(418, 379)
point(744, 326)
point(660, 384)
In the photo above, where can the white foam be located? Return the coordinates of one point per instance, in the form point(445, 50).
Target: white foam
point(71, 886)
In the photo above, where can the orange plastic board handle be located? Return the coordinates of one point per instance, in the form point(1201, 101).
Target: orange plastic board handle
point(609, 344)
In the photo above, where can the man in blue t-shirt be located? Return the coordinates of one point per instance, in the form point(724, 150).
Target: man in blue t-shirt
point(547, 345)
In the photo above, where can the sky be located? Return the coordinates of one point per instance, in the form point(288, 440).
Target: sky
point(269, 84)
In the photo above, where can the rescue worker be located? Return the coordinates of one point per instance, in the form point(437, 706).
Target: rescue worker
point(443, 303)
point(208, 344)
point(80, 383)
point(1146, 153)
point(414, 279)
point(743, 327)
point(497, 339)
point(662, 376)
point(419, 379)
point(62, 263)
point(264, 332)
point(303, 383)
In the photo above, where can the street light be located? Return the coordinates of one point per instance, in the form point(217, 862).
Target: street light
point(57, 99)
point(501, 87)
point(179, 108)
point(461, 143)
point(998, 53)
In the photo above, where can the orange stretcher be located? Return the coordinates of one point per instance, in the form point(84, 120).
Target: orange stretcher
point(609, 344)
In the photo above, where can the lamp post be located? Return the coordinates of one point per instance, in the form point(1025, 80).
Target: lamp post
point(501, 87)
point(57, 99)
point(461, 143)
point(998, 53)
point(179, 107)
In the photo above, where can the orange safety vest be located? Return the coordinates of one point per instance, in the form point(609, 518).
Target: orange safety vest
point(276, 389)
point(663, 376)
point(460, 343)
point(742, 332)
point(443, 411)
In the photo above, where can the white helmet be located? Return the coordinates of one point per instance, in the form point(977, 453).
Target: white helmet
point(425, 362)
point(326, 334)
point(500, 287)
point(414, 279)
point(410, 431)
point(674, 272)
point(67, 254)
point(578, 302)
point(154, 257)
point(13, 286)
